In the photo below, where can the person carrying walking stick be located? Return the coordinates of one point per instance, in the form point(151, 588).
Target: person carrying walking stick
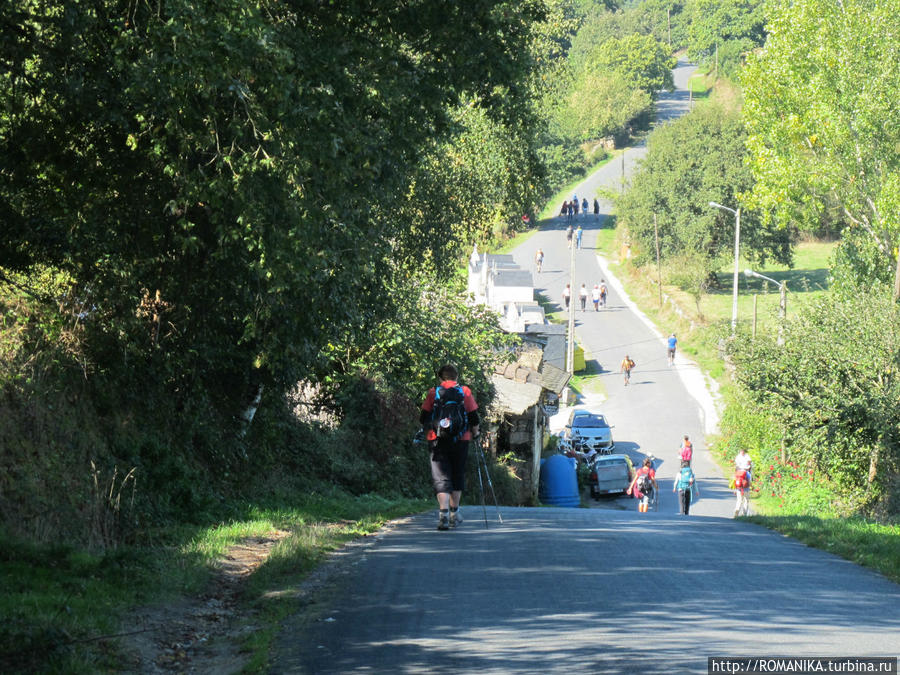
point(449, 418)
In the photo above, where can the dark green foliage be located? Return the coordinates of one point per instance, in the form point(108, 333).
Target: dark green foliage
point(858, 264)
point(832, 388)
point(691, 162)
point(723, 31)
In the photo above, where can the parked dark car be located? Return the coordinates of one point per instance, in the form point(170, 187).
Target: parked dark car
point(610, 474)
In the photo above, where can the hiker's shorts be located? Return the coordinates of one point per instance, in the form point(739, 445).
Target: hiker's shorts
point(448, 466)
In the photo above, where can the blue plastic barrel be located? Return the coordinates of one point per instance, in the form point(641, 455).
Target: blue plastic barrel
point(559, 484)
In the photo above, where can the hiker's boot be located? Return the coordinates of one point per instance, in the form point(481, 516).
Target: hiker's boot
point(455, 519)
point(443, 521)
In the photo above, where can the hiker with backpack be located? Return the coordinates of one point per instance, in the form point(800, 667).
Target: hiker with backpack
point(450, 420)
point(685, 485)
point(686, 451)
point(644, 486)
point(626, 367)
point(740, 482)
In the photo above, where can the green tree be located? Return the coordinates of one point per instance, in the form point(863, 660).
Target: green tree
point(727, 29)
point(691, 162)
point(641, 60)
point(220, 180)
point(833, 386)
point(820, 102)
point(600, 105)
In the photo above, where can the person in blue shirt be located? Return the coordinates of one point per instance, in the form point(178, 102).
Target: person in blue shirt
point(670, 346)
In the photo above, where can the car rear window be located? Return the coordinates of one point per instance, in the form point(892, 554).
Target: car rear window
point(590, 421)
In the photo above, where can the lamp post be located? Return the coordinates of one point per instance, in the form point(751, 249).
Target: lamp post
point(737, 246)
point(782, 307)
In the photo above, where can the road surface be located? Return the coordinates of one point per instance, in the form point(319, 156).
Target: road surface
point(559, 590)
point(608, 590)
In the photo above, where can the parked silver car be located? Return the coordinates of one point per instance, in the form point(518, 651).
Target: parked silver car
point(590, 430)
point(610, 474)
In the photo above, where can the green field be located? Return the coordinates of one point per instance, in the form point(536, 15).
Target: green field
point(807, 280)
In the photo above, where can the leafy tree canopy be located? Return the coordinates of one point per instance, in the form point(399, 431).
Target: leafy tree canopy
point(641, 60)
point(220, 181)
point(691, 162)
point(833, 385)
point(821, 104)
point(731, 27)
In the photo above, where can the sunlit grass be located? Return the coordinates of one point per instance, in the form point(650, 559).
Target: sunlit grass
point(864, 542)
point(58, 601)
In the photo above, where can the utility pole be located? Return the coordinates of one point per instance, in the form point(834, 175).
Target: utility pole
point(658, 267)
point(669, 21)
point(897, 280)
point(570, 351)
point(755, 297)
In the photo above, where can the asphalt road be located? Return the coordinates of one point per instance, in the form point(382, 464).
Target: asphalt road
point(662, 403)
point(556, 590)
point(608, 590)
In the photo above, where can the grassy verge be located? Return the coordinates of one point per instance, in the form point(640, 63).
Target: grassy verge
point(699, 331)
point(552, 208)
point(62, 608)
point(805, 513)
point(872, 545)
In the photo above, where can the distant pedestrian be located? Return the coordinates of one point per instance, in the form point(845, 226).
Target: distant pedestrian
point(603, 292)
point(575, 205)
point(584, 206)
point(685, 485)
point(687, 450)
point(583, 293)
point(539, 260)
point(670, 348)
point(644, 485)
point(567, 295)
point(596, 208)
point(626, 367)
point(569, 232)
point(578, 234)
point(595, 296)
point(564, 210)
point(740, 483)
point(743, 462)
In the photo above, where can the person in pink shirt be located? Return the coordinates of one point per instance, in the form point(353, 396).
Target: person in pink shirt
point(687, 450)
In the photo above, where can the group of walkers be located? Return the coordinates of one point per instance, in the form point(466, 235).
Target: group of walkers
point(574, 234)
point(571, 208)
point(644, 486)
point(597, 294)
point(450, 420)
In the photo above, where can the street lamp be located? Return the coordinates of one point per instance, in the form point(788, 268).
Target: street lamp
point(737, 244)
point(782, 307)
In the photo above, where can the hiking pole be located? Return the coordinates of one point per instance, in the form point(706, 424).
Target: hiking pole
point(490, 483)
point(481, 486)
point(656, 491)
